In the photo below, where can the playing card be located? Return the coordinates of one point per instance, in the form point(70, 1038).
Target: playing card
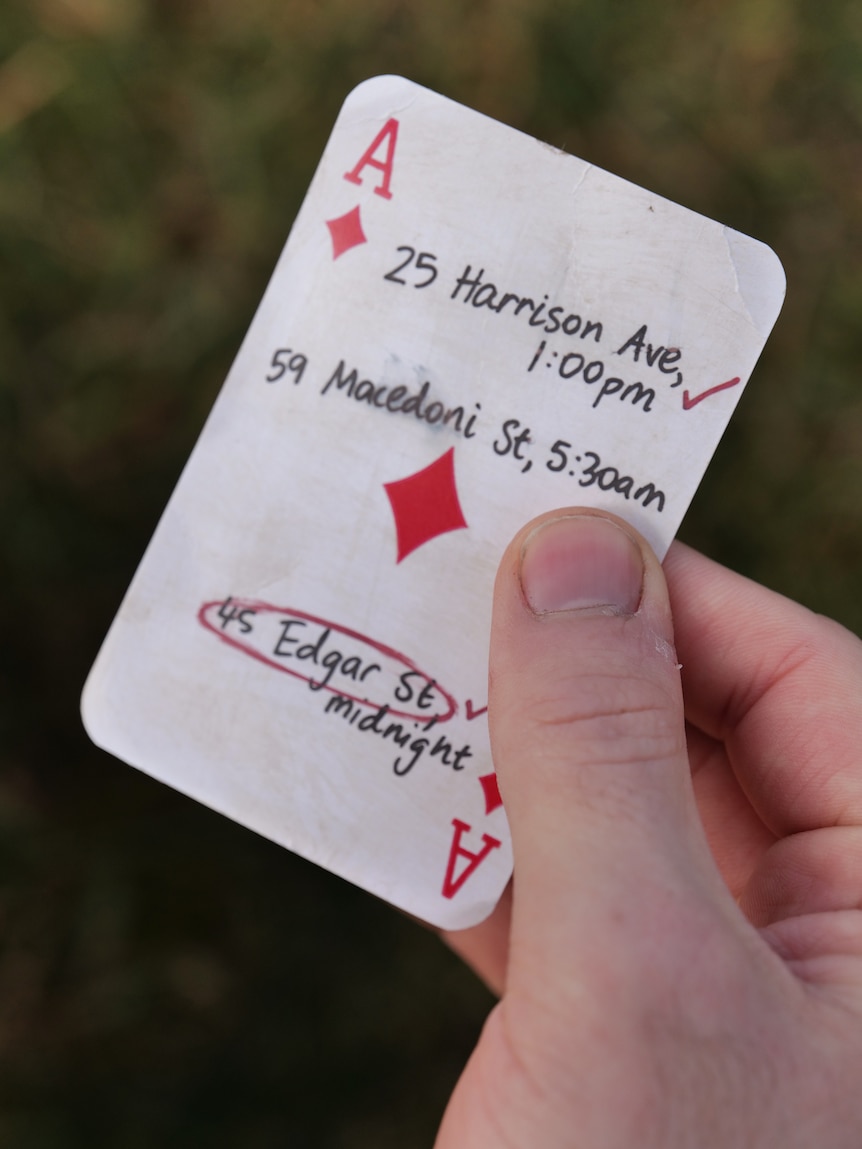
point(466, 328)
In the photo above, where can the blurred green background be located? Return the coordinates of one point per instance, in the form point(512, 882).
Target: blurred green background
point(167, 978)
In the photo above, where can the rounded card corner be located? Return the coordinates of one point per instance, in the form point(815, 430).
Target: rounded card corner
point(775, 268)
point(760, 277)
point(457, 920)
point(373, 88)
point(89, 709)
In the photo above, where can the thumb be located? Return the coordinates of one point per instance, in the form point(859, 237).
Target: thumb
point(588, 738)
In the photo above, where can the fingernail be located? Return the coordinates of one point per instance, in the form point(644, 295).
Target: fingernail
point(581, 562)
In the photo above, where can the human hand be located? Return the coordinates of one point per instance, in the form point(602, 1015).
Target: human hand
point(680, 956)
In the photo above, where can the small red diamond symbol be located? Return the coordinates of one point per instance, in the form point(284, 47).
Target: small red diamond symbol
point(346, 232)
point(426, 504)
point(491, 790)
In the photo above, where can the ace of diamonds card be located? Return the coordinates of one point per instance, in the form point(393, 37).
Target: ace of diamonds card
point(466, 328)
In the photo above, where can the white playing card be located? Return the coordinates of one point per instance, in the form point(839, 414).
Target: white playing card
point(466, 328)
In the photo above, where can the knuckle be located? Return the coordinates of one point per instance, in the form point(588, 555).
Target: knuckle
point(610, 721)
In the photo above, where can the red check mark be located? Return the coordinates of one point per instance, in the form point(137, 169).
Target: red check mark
point(689, 401)
point(471, 713)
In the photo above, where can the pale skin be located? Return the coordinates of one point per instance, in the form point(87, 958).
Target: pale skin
point(679, 959)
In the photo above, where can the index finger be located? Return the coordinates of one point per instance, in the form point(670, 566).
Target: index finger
point(779, 685)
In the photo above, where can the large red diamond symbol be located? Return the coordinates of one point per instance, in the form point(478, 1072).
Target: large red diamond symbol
point(346, 232)
point(426, 504)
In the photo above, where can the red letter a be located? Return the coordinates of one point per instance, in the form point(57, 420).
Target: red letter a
point(451, 884)
point(388, 131)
